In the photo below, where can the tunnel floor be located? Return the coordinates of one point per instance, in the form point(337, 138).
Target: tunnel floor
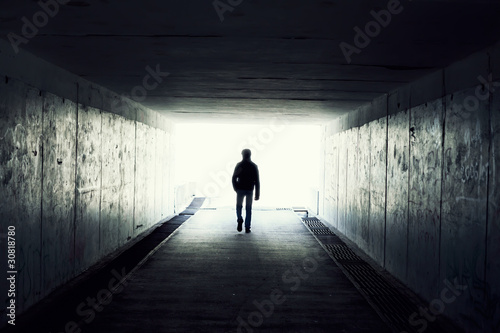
point(196, 272)
point(209, 277)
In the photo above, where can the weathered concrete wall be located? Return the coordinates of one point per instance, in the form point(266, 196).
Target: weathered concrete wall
point(351, 225)
point(417, 188)
point(426, 139)
point(88, 186)
point(77, 181)
point(363, 188)
point(58, 191)
point(378, 161)
point(21, 159)
point(342, 190)
point(396, 238)
point(464, 200)
point(331, 179)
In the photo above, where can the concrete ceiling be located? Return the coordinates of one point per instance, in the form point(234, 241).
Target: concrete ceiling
point(267, 57)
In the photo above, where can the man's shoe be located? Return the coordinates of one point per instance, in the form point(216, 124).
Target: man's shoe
point(247, 230)
point(240, 223)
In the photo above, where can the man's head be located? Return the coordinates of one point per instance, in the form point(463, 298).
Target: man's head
point(246, 153)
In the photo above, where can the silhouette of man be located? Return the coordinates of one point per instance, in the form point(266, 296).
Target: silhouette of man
point(245, 178)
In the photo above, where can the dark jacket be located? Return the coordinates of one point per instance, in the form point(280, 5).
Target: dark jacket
point(246, 176)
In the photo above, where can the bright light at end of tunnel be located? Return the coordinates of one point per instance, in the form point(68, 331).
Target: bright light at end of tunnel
point(287, 157)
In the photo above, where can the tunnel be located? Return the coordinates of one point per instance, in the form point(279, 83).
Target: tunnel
point(374, 126)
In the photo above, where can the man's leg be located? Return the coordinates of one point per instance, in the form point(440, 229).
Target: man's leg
point(248, 208)
point(239, 206)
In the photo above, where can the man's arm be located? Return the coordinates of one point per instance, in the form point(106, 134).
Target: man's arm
point(257, 184)
point(236, 171)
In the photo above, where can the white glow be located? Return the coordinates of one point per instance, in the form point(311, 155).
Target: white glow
point(287, 156)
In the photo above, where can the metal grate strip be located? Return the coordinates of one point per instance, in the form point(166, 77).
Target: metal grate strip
point(316, 224)
point(311, 219)
point(342, 253)
point(321, 232)
point(391, 304)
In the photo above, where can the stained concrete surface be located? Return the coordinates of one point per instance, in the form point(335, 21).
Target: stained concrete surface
point(378, 158)
point(68, 184)
point(441, 198)
point(464, 201)
point(208, 277)
point(397, 194)
point(58, 191)
point(424, 197)
point(21, 174)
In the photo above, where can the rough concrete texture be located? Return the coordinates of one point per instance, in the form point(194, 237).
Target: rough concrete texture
point(424, 218)
point(363, 188)
point(127, 177)
point(20, 178)
point(352, 178)
point(331, 180)
point(162, 175)
point(151, 174)
point(342, 191)
point(67, 182)
point(441, 211)
point(398, 163)
point(378, 161)
point(145, 181)
point(464, 201)
point(58, 191)
point(118, 144)
point(88, 187)
point(110, 197)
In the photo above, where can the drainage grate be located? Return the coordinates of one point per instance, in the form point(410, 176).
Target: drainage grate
point(321, 231)
point(391, 304)
point(316, 226)
point(313, 222)
point(343, 253)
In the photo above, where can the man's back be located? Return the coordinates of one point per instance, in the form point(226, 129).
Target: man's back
point(246, 176)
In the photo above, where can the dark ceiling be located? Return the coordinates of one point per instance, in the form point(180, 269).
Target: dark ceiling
point(265, 58)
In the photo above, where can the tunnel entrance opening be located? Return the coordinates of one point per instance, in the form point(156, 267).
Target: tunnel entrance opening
point(288, 157)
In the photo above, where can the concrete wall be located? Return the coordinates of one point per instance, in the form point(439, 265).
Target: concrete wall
point(76, 180)
point(413, 179)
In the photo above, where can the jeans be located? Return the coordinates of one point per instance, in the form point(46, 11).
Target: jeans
point(248, 194)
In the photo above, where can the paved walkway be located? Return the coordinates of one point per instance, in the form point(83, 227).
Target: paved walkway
point(207, 277)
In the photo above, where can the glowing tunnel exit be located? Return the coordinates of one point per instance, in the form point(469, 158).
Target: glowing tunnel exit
point(287, 155)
